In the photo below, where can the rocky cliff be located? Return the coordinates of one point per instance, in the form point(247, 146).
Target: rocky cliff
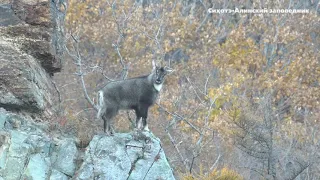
point(31, 51)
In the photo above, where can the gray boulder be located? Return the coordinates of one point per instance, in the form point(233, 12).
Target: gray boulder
point(125, 156)
point(26, 148)
point(66, 156)
point(37, 168)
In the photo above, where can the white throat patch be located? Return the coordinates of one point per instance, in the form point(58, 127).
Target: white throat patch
point(157, 86)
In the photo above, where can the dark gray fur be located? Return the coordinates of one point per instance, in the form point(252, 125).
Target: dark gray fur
point(136, 93)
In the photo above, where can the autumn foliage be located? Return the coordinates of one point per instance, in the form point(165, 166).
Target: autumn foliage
point(245, 91)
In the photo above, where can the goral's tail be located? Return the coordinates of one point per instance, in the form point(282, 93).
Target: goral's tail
point(100, 104)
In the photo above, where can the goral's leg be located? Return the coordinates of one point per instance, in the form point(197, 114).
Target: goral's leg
point(110, 113)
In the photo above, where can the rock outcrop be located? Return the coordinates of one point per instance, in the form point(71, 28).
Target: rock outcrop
point(31, 50)
point(125, 156)
point(29, 151)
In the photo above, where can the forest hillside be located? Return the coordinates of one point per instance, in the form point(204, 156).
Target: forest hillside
point(243, 100)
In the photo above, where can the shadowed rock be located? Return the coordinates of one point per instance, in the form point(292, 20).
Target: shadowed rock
point(31, 49)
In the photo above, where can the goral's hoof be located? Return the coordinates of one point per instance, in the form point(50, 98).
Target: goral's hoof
point(146, 128)
point(109, 133)
point(137, 129)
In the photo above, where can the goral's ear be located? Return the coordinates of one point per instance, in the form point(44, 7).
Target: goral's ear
point(154, 65)
point(168, 70)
